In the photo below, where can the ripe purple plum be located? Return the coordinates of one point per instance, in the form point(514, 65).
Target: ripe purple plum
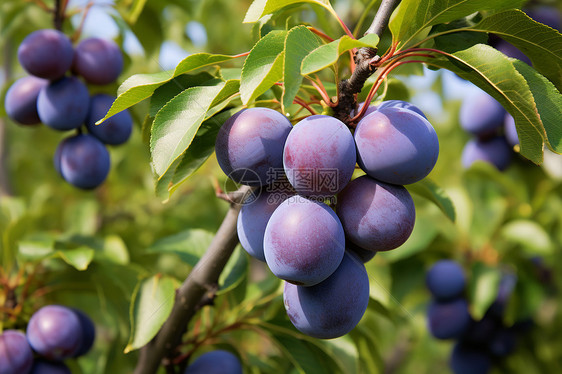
point(253, 219)
point(401, 104)
point(88, 333)
point(21, 100)
point(249, 145)
point(494, 151)
point(446, 280)
point(369, 110)
point(116, 129)
point(63, 105)
point(510, 131)
point(82, 160)
point(448, 319)
point(215, 362)
point(481, 114)
point(376, 216)
point(333, 307)
point(547, 15)
point(304, 241)
point(319, 156)
point(55, 332)
point(49, 367)
point(46, 54)
point(15, 353)
point(396, 145)
point(469, 360)
point(98, 61)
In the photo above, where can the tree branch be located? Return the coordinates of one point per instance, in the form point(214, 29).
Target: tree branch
point(204, 275)
point(348, 88)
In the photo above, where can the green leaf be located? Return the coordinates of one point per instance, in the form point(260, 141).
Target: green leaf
point(431, 191)
point(540, 43)
point(151, 305)
point(188, 245)
point(328, 54)
point(530, 235)
point(548, 101)
point(260, 8)
point(413, 16)
point(299, 42)
point(35, 250)
point(177, 122)
point(495, 73)
point(79, 258)
point(142, 86)
point(484, 288)
point(263, 66)
point(169, 90)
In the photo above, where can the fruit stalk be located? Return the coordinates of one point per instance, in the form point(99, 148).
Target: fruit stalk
point(363, 68)
point(201, 279)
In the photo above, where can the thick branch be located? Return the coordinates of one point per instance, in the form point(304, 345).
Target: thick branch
point(348, 88)
point(188, 297)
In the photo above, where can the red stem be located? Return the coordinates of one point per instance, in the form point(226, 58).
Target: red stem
point(320, 34)
point(345, 28)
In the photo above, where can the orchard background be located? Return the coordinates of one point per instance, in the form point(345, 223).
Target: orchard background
point(120, 252)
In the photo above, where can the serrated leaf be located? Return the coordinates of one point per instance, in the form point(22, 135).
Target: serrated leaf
point(142, 86)
point(299, 42)
point(548, 101)
point(263, 66)
point(169, 90)
point(431, 191)
point(530, 235)
point(177, 122)
point(79, 258)
point(260, 8)
point(413, 16)
point(188, 245)
point(328, 54)
point(495, 73)
point(540, 43)
point(151, 305)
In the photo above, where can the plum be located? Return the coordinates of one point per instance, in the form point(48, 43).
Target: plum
point(116, 129)
point(49, 367)
point(510, 131)
point(82, 160)
point(215, 362)
point(98, 61)
point(494, 151)
point(88, 333)
point(46, 54)
point(63, 105)
point(446, 280)
point(376, 216)
point(401, 104)
point(448, 319)
point(481, 114)
point(304, 241)
point(21, 100)
point(333, 307)
point(469, 360)
point(249, 145)
point(15, 353)
point(396, 145)
point(55, 332)
point(319, 156)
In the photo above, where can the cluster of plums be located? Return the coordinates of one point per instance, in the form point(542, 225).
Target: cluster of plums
point(479, 343)
point(54, 333)
point(215, 362)
point(62, 102)
point(286, 222)
point(493, 128)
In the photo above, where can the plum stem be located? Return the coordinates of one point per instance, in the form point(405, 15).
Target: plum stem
point(364, 68)
point(192, 291)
